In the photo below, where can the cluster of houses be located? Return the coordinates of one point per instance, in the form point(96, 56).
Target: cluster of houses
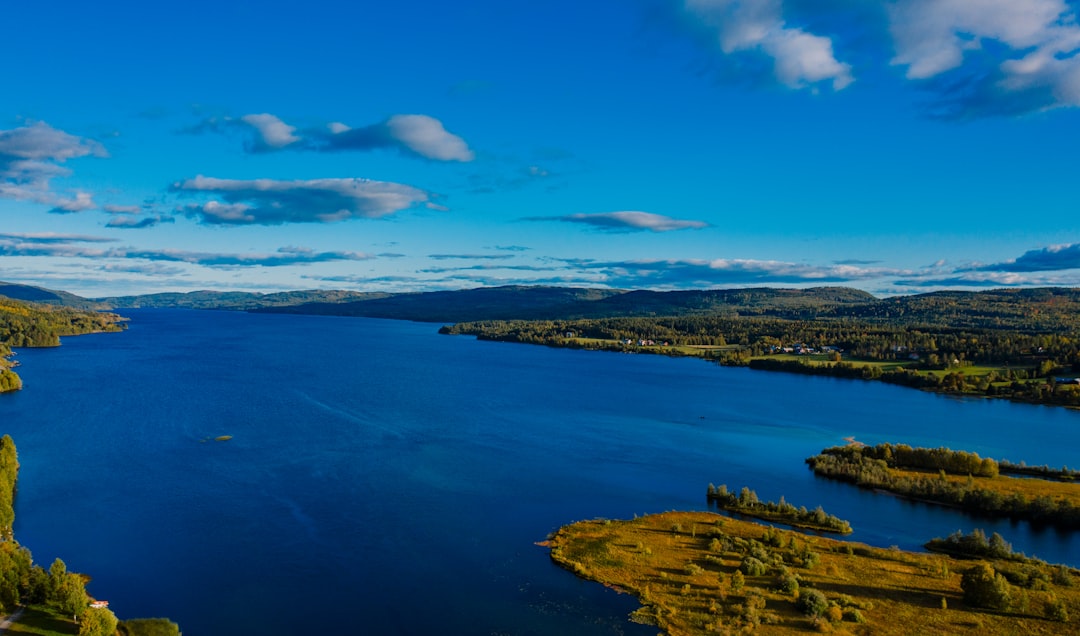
point(801, 349)
point(644, 343)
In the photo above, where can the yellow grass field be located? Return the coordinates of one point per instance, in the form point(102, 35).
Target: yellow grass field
point(682, 565)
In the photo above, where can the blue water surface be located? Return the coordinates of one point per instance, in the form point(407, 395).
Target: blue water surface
point(382, 478)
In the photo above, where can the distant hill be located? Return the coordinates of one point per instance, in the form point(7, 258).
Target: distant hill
point(235, 300)
point(34, 294)
point(1042, 310)
point(514, 302)
point(517, 302)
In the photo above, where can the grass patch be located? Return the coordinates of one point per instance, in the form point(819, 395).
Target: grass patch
point(698, 572)
point(43, 621)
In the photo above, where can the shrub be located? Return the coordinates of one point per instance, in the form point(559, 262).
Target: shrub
point(786, 584)
point(1055, 610)
point(752, 567)
point(853, 615)
point(812, 603)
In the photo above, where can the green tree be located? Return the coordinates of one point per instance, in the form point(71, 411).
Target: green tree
point(67, 590)
point(149, 627)
point(9, 472)
point(983, 587)
point(97, 621)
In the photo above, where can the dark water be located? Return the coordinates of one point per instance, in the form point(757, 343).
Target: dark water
point(385, 479)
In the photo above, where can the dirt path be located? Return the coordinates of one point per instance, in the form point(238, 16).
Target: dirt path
point(7, 622)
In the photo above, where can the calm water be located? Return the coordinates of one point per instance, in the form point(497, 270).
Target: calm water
point(385, 479)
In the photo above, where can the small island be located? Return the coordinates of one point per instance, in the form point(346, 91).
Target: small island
point(957, 478)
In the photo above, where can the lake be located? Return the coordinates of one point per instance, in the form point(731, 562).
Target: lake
point(382, 478)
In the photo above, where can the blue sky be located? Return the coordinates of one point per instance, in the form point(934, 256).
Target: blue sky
point(896, 147)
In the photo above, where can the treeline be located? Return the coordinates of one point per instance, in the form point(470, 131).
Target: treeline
point(904, 456)
point(9, 472)
point(1042, 472)
point(747, 503)
point(927, 358)
point(976, 545)
point(1003, 585)
point(24, 324)
point(940, 347)
point(868, 472)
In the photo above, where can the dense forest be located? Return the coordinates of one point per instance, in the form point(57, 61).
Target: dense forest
point(25, 324)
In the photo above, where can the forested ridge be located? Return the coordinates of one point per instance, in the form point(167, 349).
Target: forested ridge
point(1016, 344)
point(25, 324)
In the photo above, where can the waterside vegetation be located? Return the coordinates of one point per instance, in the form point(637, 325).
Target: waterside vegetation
point(24, 324)
point(746, 503)
point(953, 478)
point(54, 596)
point(1022, 345)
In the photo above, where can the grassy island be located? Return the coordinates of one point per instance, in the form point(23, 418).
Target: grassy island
point(746, 503)
point(955, 478)
point(703, 573)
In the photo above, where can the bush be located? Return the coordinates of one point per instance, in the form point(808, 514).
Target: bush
point(786, 584)
point(752, 567)
point(1055, 610)
point(812, 603)
point(853, 615)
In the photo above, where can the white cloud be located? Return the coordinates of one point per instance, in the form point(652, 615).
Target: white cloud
point(417, 135)
point(30, 158)
point(426, 137)
point(273, 132)
point(1042, 38)
point(274, 202)
point(800, 58)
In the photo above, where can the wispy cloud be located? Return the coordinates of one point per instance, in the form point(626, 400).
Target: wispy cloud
point(75, 246)
point(274, 202)
point(800, 58)
point(471, 257)
point(121, 209)
point(626, 221)
point(52, 237)
point(130, 222)
point(465, 268)
point(1052, 258)
point(416, 135)
point(703, 273)
point(31, 156)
